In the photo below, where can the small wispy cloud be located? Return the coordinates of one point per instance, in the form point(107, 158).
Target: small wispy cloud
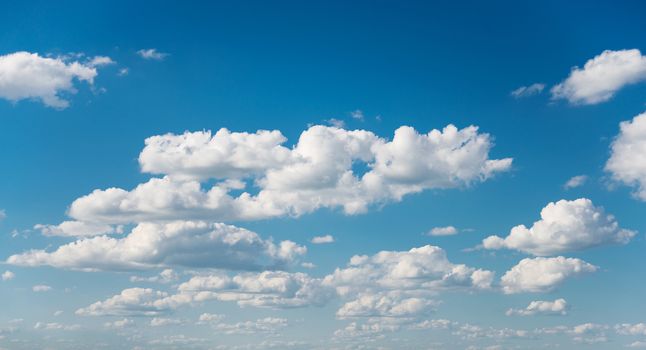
point(337, 123)
point(41, 288)
point(323, 239)
point(526, 91)
point(357, 115)
point(575, 181)
point(443, 231)
point(152, 54)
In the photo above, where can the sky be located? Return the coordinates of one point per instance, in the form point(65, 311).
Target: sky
point(322, 175)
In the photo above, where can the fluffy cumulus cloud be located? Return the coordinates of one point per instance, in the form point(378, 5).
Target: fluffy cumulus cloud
point(268, 289)
point(601, 77)
point(25, 75)
point(541, 307)
point(401, 283)
point(130, 302)
point(626, 163)
point(181, 243)
point(564, 226)
point(318, 172)
point(539, 275)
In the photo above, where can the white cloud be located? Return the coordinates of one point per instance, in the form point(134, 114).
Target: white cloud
point(541, 307)
point(316, 173)
point(539, 275)
point(25, 75)
point(98, 61)
point(8, 275)
point(152, 54)
point(601, 77)
point(564, 226)
point(268, 289)
point(357, 114)
point(41, 288)
point(443, 231)
point(207, 318)
point(386, 304)
point(323, 239)
point(631, 329)
point(166, 276)
point(56, 326)
point(181, 243)
point(120, 324)
point(130, 302)
point(308, 265)
point(268, 325)
point(526, 91)
point(77, 229)
point(337, 123)
point(163, 322)
point(626, 163)
point(401, 284)
point(3, 214)
point(575, 181)
point(637, 344)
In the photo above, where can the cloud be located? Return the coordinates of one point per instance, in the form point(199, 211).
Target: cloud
point(390, 284)
point(207, 318)
point(130, 302)
point(267, 289)
point(386, 304)
point(527, 91)
point(268, 325)
point(8, 275)
point(25, 75)
point(601, 77)
point(541, 307)
point(3, 214)
point(318, 172)
point(163, 322)
point(56, 326)
point(98, 61)
point(177, 243)
point(357, 115)
point(152, 54)
point(443, 231)
point(564, 226)
point(41, 288)
point(540, 275)
point(626, 163)
point(166, 276)
point(337, 123)
point(401, 284)
point(323, 239)
point(77, 229)
point(575, 181)
point(631, 329)
point(120, 324)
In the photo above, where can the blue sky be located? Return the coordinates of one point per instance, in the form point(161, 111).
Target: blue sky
point(129, 221)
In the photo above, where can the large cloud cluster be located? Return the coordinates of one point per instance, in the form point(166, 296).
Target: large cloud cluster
point(176, 243)
point(320, 171)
